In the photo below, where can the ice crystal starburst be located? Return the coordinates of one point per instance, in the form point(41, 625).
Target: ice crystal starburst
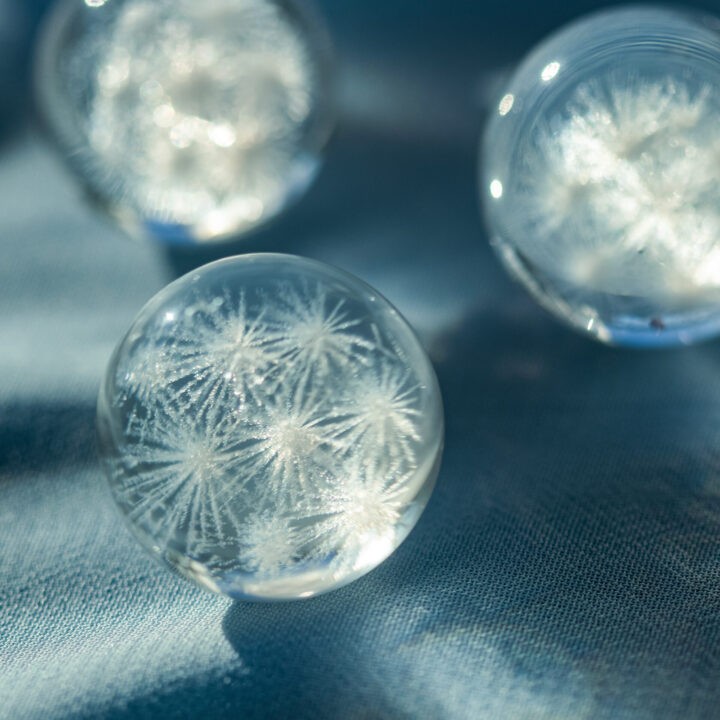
point(382, 412)
point(316, 330)
point(220, 343)
point(601, 173)
point(270, 427)
point(175, 471)
point(272, 544)
point(155, 372)
point(290, 442)
point(364, 516)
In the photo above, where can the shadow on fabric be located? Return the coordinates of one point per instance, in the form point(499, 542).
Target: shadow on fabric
point(566, 567)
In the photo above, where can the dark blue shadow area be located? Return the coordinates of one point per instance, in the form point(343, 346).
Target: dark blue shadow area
point(19, 22)
point(42, 436)
point(370, 183)
point(455, 26)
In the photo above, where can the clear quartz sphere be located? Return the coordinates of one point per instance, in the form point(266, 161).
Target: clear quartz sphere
point(188, 120)
point(601, 175)
point(270, 427)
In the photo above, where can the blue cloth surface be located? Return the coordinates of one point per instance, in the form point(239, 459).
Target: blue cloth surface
point(568, 564)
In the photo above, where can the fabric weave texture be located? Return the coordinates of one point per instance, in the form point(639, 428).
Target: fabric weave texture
point(568, 564)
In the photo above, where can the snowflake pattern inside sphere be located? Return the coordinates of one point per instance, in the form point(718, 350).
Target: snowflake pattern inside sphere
point(601, 179)
point(189, 120)
point(270, 427)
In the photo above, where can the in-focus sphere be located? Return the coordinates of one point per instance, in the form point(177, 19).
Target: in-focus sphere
point(270, 427)
point(601, 175)
point(189, 120)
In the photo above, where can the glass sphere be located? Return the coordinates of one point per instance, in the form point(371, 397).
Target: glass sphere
point(601, 175)
point(190, 121)
point(270, 427)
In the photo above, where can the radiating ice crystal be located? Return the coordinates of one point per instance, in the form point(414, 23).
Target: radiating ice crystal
point(270, 427)
point(601, 175)
point(193, 120)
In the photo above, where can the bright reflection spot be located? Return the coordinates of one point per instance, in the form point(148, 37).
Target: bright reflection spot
point(549, 71)
point(222, 135)
point(374, 551)
point(708, 272)
point(164, 115)
point(95, 3)
point(506, 104)
point(496, 189)
point(222, 221)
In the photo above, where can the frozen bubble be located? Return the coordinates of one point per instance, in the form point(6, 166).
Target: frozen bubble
point(271, 427)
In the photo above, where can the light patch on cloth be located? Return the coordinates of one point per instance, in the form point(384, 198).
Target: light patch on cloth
point(91, 631)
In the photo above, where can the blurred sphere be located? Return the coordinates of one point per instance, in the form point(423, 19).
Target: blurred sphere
point(188, 120)
point(601, 175)
point(270, 427)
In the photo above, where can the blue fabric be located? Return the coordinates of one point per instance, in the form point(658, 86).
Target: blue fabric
point(568, 564)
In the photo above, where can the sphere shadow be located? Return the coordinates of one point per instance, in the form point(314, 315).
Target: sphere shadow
point(573, 534)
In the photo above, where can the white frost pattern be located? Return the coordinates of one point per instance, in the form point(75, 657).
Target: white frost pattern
point(383, 413)
point(177, 465)
point(221, 345)
point(270, 430)
point(617, 183)
point(290, 442)
point(274, 544)
point(313, 334)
